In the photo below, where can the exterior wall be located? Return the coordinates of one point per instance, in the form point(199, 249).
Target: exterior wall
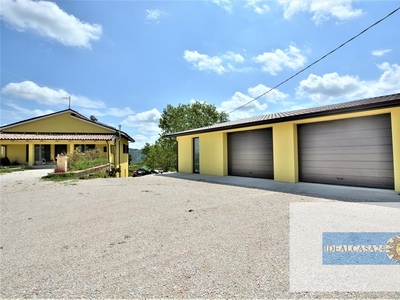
point(59, 123)
point(396, 147)
point(121, 160)
point(214, 151)
point(284, 136)
point(212, 148)
point(16, 152)
point(185, 153)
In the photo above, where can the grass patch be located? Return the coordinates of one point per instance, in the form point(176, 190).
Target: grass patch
point(6, 170)
point(60, 177)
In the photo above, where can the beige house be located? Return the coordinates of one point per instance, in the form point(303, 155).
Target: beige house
point(38, 141)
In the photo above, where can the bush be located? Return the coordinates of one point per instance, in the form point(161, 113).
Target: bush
point(84, 160)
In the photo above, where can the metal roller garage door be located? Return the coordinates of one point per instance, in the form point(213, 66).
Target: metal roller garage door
point(356, 151)
point(250, 154)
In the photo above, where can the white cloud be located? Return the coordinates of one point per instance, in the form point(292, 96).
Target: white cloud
point(239, 99)
point(141, 140)
point(275, 61)
point(154, 14)
point(146, 125)
point(273, 96)
point(341, 10)
point(332, 86)
point(255, 107)
point(118, 112)
point(204, 62)
point(218, 64)
point(259, 6)
point(233, 56)
point(48, 20)
point(150, 116)
point(381, 52)
point(17, 111)
point(31, 91)
point(225, 4)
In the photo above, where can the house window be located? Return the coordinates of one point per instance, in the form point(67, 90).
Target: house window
point(196, 155)
point(112, 149)
point(125, 148)
point(105, 149)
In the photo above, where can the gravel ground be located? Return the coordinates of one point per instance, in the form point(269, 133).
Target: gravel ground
point(147, 237)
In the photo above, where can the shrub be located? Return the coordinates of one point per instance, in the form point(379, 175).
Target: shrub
point(83, 160)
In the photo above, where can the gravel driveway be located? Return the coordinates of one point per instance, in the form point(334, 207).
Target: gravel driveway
point(153, 237)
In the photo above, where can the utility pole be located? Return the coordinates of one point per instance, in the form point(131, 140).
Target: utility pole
point(69, 101)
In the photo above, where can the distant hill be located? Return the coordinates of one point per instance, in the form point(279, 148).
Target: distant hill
point(136, 155)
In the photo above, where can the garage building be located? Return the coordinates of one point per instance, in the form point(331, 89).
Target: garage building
point(354, 143)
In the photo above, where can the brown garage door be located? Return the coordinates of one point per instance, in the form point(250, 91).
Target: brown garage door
point(356, 151)
point(250, 154)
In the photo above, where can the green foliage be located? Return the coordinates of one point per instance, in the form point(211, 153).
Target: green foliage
point(78, 160)
point(190, 116)
point(113, 171)
point(163, 154)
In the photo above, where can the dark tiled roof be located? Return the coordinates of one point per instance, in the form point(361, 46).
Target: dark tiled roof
point(345, 107)
point(56, 136)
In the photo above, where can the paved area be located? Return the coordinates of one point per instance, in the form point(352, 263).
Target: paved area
point(335, 192)
point(156, 236)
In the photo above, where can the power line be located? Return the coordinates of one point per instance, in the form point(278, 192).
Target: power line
point(318, 60)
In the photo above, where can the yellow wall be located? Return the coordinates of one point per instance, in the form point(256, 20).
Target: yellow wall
point(396, 147)
point(16, 152)
point(121, 160)
point(59, 123)
point(185, 154)
point(284, 141)
point(214, 150)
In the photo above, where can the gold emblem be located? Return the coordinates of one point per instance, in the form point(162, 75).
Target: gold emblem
point(393, 248)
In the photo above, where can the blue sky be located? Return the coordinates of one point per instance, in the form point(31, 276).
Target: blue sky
point(124, 61)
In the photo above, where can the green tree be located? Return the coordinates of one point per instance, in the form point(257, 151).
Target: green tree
point(190, 116)
point(163, 154)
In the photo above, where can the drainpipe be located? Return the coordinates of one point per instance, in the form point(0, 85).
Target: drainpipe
point(108, 153)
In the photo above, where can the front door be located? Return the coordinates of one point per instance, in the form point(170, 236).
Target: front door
point(42, 154)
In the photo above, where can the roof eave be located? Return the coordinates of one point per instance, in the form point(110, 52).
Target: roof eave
point(344, 110)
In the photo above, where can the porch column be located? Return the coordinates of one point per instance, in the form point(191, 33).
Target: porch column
point(31, 152)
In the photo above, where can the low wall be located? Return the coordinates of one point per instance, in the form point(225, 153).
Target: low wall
point(82, 173)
